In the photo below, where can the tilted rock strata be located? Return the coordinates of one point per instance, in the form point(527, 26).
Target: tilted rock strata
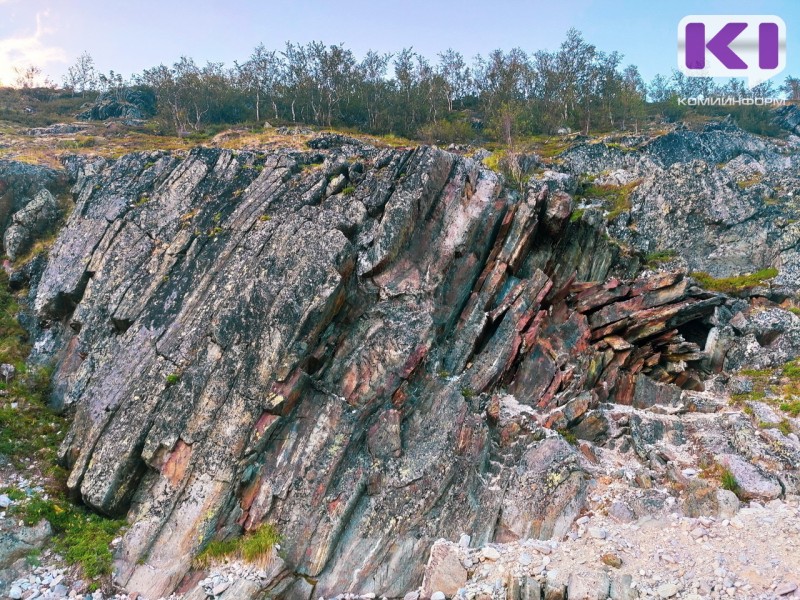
point(359, 346)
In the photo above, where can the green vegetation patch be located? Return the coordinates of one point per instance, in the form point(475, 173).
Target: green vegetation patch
point(28, 428)
point(253, 547)
point(660, 256)
point(616, 198)
point(728, 481)
point(737, 284)
point(750, 181)
point(793, 408)
point(31, 433)
point(82, 537)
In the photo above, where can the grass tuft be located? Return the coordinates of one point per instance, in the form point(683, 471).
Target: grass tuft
point(729, 482)
point(253, 547)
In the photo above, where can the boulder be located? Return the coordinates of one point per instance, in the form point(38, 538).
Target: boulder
point(444, 572)
point(36, 218)
point(753, 482)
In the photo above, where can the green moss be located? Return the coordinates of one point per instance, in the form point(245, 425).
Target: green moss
point(467, 392)
point(793, 408)
point(143, 199)
point(755, 395)
point(794, 310)
point(81, 537)
point(348, 190)
point(265, 218)
point(568, 436)
point(28, 430)
point(750, 181)
point(732, 285)
point(620, 147)
point(785, 427)
point(660, 256)
point(616, 198)
point(443, 373)
point(791, 369)
point(13, 493)
point(755, 372)
point(576, 215)
point(173, 378)
point(33, 558)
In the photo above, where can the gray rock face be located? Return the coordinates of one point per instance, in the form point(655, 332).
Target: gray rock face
point(20, 182)
point(36, 218)
point(723, 199)
point(131, 104)
point(444, 572)
point(362, 347)
point(547, 497)
point(16, 542)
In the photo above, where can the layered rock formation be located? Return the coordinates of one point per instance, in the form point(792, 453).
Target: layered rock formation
point(369, 349)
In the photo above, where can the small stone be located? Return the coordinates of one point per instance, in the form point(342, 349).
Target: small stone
point(785, 588)
point(220, 587)
point(525, 560)
point(667, 590)
point(464, 540)
point(612, 560)
point(15, 593)
point(411, 596)
point(438, 596)
point(598, 533)
point(698, 532)
point(490, 554)
point(7, 372)
point(5, 501)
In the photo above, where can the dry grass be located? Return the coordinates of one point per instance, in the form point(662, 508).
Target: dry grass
point(95, 140)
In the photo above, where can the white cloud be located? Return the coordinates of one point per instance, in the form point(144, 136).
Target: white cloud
point(22, 51)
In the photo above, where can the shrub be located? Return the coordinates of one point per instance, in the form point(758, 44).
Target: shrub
point(447, 132)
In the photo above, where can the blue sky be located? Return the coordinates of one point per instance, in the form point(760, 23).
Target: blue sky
point(128, 36)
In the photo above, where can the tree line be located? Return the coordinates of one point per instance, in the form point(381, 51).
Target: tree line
point(503, 95)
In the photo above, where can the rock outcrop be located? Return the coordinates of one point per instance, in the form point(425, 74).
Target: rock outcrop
point(36, 218)
point(129, 104)
point(722, 199)
point(368, 349)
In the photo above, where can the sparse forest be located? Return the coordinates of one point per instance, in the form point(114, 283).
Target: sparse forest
point(501, 97)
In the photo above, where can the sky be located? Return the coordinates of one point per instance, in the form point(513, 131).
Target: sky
point(129, 36)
